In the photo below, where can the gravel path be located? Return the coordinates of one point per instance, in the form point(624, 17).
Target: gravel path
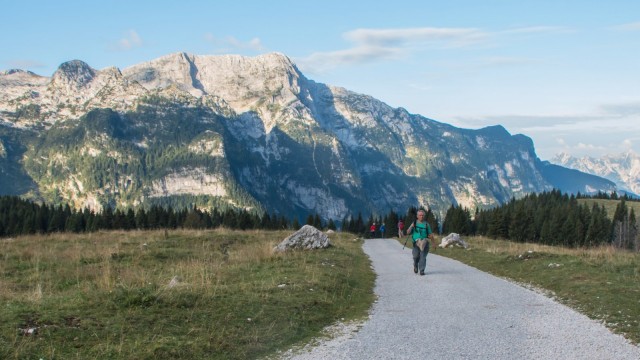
point(459, 312)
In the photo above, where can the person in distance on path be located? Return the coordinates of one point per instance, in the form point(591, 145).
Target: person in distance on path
point(421, 236)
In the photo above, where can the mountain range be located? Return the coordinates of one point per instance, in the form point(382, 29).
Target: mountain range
point(251, 133)
point(623, 169)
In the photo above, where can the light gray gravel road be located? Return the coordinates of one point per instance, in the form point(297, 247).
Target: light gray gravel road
point(459, 312)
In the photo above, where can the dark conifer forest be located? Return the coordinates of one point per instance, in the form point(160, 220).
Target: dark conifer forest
point(550, 218)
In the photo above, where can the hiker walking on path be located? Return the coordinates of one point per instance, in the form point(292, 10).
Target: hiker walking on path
point(372, 230)
point(483, 317)
point(421, 237)
point(400, 228)
point(382, 228)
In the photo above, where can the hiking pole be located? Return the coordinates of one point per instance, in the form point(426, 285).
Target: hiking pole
point(405, 242)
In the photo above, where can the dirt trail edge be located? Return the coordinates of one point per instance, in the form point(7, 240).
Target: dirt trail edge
point(458, 312)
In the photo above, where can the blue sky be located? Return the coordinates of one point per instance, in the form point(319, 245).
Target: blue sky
point(565, 73)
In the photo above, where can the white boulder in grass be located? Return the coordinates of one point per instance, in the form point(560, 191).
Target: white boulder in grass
point(308, 237)
point(453, 239)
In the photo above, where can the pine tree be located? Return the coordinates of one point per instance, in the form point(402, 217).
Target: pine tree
point(284, 224)
point(106, 219)
point(130, 222)
point(141, 219)
point(519, 223)
point(265, 221)
point(244, 221)
point(229, 219)
point(317, 222)
point(498, 227)
point(28, 224)
point(481, 223)
point(360, 227)
point(57, 222)
point(620, 226)
point(633, 227)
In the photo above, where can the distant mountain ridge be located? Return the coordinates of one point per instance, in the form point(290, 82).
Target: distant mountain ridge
point(234, 131)
point(623, 169)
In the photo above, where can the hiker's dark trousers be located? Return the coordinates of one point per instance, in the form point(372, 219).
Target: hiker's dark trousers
point(420, 257)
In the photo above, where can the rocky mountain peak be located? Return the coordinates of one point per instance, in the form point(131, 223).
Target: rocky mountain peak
point(16, 83)
point(74, 73)
point(17, 71)
point(247, 132)
point(214, 74)
point(623, 169)
point(245, 83)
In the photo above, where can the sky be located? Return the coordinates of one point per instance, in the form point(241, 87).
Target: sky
point(564, 72)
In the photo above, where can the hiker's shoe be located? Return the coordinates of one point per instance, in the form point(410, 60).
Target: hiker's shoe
point(421, 272)
point(415, 269)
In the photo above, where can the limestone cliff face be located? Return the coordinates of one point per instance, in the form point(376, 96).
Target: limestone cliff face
point(244, 132)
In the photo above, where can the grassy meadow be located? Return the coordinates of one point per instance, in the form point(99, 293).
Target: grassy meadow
point(216, 294)
point(602, 283)
point(222, 294)
point(610, 205)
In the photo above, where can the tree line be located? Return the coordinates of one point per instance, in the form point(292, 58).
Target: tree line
point(22, 217)
point(550, 218)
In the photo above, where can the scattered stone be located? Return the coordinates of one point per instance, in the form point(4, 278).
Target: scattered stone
point(175, 281)
point(451, 240)
point(307, 238)
point(29, 331)
point(528, 255)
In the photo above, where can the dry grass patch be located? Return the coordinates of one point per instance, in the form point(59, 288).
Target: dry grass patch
point(217, 294)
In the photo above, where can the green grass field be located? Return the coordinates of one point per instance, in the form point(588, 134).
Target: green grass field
point(111, 296)
point(610, 205)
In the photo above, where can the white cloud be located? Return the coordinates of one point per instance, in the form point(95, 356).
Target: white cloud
point(505, 61)
point(230, 42)
point(323, 61)
point(420, 87)
point(400, 37)
point(371, 45)
point(583, 146)
point(24, 64)
point(628, 27)
point(130, 41)
point(605, 118)
point(538, 29)
point(522, 121)
point(610, 128)
point(622, 109)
